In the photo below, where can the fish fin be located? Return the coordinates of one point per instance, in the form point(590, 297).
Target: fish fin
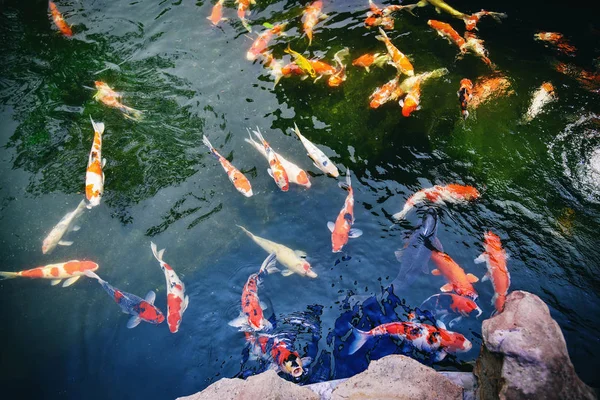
point(402, 214)
point(98, 126)
point(447, 287)
point(323, 16)
point(354, 233)
point(398, 253)
point(267, 324)
point(436, 272)
point(454, 321)
point(103, 162)
point(150, 297)
point(306, 361)
point(494, 297)
point(268, 264)
point(75, 228)
point(270, 172)
point(359, 338)
point(71, 281)
point(287, 272)
point(271, 269)
point(330, 226)
point(440, 324)
point(506, 255)
point(65, 243)
point(485, 277)
point(186, 302)
point(438, 10)
point(481, 259)
point(401, 102)
point(157, 254)
point(440, 355)
point(133, 322)
point(239, 322)
point(425, 268)
point(367, 69)
point(472, 278)
point(263, 305)
point(300, 253)
point(316, 165)
point(91, 274)
point(55, 282)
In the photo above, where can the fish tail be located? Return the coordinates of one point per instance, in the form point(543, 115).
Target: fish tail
point(402, 214)
point(268, 264)
point(98, 126)
point(8, 275)
point(348, 184)
point(289, 49)
point(157, 254)
point(297, 131)
point(430, 297)
point(131, 113)
point(259, 135)
point(91, 274)
point(246, 230)
point(359, 338)
point(383, 37)
point(210, 146)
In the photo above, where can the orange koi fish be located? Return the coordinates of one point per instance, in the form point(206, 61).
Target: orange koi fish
point(109, 97)
point(445, 30)
point(453, 303)
point(276, 170)
point(60, 22)
point(487, 88)
point(411, 102)
point(342, 229)
point(399, 60)
point(457, 279)
point(216, 14)
point(557, 40)
point(312, 15)
point(262, 41)
point(465, 94)
point(387, 92)
point(243, 10)
point(367, 60)
point(495, 257)
point(476, 46)
point(452, 193)
point(241, 183)
point(472, 20)
point(70, 270)
point(589, 80)
point(339, 76)
point(94, 176)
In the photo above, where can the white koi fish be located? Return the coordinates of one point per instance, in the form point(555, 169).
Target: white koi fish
point(544, 95)
point(321, 161)
point(65, 225)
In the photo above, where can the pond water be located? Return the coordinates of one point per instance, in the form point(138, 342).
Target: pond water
point(539, 182)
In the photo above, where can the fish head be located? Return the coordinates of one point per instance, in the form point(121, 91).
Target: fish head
point(492, 240)
point(149, 313)
point(48, 245)
point(292, 365)
point(88, 266)
point(466, 83)
point(471, 22)
point(453, 341)
point(305, 266)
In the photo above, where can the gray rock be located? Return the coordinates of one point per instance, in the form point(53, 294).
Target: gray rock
point(397, 377)
point(524, 355)
point(265, 386)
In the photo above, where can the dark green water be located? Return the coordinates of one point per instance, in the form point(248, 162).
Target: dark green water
point(540, 181)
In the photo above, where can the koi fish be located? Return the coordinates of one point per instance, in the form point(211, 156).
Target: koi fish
point(243, 9)
point(239, 180)
point(94, 176)
point(60, 22)
point(286, 359)
point(387, 92)
point(375, 17)
point(342, 229)
point(216, 14)
point(457, 279)
point(440, 6)
point(252, 315)
point(367, 60)
point(398, 59)
point(445, 30)
point(388, 10)
point(424, 337)
point(453, 303)
point(302, 62)
point(262, 41)
point(495, 257)
point(544, 95)
point(472, 20)
point(465, 94)
point(589, 80)
point(312, 15)
point(294, 260)
point(109, 97)
point(294, 173)
point(177, 300)
point(276, 170)
point(140, 309)
point(557, 40)
point(409, 83)
point(412, 99)
point(70, 270)
point(339, 76)
point(65, 225)
point(452, 193)
point(476, 46)
point(319, 158)
point(487, 88)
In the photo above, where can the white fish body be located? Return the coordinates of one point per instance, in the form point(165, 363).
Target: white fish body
point(65, 225)
point(544, 95)
point(321, 160)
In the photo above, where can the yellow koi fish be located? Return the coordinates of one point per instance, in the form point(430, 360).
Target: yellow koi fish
point(302, 62)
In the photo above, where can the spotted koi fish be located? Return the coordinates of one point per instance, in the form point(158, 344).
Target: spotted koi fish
point(412, 99)
point(70, 270)
point(94, 176)
point(60, 22)
point(342, 229)
point(311, 17)
point(319, 158)
point(447, 31)
point(387, 92)
point(140, 309)
point(452, 193)
point(495, 257)
point(177, 300)
point(239, 180)
point(398, 59)
point(458, 281)
point(216, 14)
point(259, 46)
point(465, 94)
point(109, 97)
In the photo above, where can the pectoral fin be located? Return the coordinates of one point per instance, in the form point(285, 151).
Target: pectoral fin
point(71, 281)
point(398, 254)
point(485, 277)
point(447, 287)
point(65, 243)
point(186, 301)
point(133, 322)
point(55, 282)
point(287, 272)
point(330, 226)
point(239, 322)
point(103, 162)
point(300, 253)
point(75, 228)
point(436, 272)
point(354, 233)
point(150, 297)
point(270, 172)
point(481, 259)
point(263, 305)
point(472, 278)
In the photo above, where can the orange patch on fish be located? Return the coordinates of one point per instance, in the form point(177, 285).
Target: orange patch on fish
point(174, 311)
point(54, 271)
point(33, 273)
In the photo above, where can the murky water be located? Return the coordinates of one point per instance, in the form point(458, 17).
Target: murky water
point(539, 182)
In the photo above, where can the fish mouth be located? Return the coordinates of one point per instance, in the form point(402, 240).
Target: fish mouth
point(311, 274)
point(297, 372)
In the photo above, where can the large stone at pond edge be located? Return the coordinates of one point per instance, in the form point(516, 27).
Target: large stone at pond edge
point(524, 355)
point(265, 386)
point(397, 377)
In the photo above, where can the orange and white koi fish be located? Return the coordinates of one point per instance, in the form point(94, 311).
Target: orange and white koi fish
point(319, 158)
point(367, 60)
point(286, 359)
point(544, 95)
point(387, 92)
point(94, 176)
point(294, 173)
point(488, 88)
point(177, 300)
point(262, 41)
point(465, 94)
point(239, 180)
point(216, 14)
point(70, 270)
point(342, 229)
point(276, 170)
point(445, 30)
point(398, 59)
point(312, 15)
point(458, 281)
point(252, 315)
point(452, 303)
point(339, 76)
point(495, 257)
point(65, 225)
point(412, 99)
point(375, 17)
point(472, 20)
point(475, 44)
point(558, 40)
point(109, 97)
point(60, 22)
point(452, 193)
point(243, 10)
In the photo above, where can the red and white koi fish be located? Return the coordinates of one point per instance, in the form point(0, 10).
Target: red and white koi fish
point(544, 95)
point(294, 173)
point(70, 270)
point(177, 300)
point(452, 193)
point(475, 44)
point(109, 97)
point(387, 92)
point(450, 302)
point(276, 170)
point(94, 176)
point(286, 359)
point(60, 22)
point(312, 15)
point(465, 94)
point(557, 40)
point(239, 180)
point(398, 59)
point(445, 30)
point(472, 20)
point(243, 10)
point(319, 158)
point(342, 229)
point(339, 76)
point(65, 225)
point(488, 88)
point(216, 14)
point(367, 60)
point(412, 99)
point(495, 257)
point(423, 337)
point(252, 315)
point(262, 41)
point(454, 274)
